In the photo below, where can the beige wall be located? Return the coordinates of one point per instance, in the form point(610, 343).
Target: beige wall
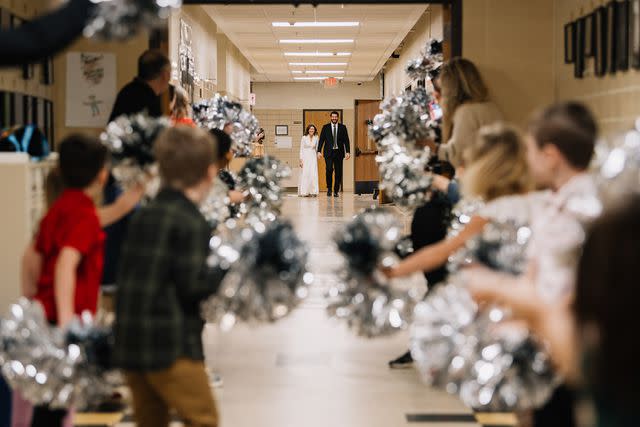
point(203, 44)
point(613, 98)
point(512, 43)
point(283, 104)
point(428, 27)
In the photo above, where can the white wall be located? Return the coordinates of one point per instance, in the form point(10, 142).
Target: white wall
point(428, 27)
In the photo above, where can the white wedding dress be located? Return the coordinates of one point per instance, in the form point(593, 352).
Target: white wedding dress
point(308, 185)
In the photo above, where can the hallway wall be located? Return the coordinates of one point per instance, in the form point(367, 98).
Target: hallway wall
point(283, 104)
point(614, 97)
point(429, 26)
point(512, 44)
point(204, 47)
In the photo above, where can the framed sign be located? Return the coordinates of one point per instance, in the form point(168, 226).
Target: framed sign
point(612, 46)
point(91, 88)
point(622, 34)
point(282, 130)
point(601, 31)
point(634, 33)
point(579, 48)
point(569, 43)
point(589, 35)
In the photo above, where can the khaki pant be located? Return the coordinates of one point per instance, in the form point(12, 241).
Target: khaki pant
point(183, 387)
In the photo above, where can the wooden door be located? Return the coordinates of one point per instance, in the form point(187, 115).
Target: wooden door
point(366, 170)
point(319, 118)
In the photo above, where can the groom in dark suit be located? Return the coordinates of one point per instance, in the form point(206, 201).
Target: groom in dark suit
point(334, 138)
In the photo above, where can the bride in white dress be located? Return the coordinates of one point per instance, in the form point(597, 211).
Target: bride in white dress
point(308, 185)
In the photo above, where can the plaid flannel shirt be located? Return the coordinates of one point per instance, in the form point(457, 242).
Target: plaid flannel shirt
point(162, 279)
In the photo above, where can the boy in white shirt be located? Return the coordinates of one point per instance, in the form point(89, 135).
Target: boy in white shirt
point(560, 146)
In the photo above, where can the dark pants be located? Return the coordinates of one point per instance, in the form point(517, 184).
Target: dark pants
point(5, 403)
point(334, 162)
point(558, 411)
point(45, 417)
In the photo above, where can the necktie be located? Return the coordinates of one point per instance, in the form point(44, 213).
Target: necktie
point(335, 138)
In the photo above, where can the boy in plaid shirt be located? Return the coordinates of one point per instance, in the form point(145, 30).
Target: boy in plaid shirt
point(163, 277)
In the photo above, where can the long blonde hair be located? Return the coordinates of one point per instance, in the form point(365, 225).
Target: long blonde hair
point(496, 164)
point(460, 82)
point(180, 103)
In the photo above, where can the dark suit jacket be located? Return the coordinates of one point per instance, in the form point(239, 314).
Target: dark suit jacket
point(326, 140)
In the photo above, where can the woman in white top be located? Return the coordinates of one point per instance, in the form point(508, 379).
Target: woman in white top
point(308, 185)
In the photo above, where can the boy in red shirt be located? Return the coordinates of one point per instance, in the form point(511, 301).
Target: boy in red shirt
point(69, 245)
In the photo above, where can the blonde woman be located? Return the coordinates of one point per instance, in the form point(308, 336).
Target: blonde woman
point(181, 108)
point(308, 162)
point(497, 174)
point(466, 108)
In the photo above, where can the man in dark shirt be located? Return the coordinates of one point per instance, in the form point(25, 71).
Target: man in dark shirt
point(142, 94)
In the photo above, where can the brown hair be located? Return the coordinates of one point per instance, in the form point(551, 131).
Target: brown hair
point(151, 64)
point(460, 82)
point(306, 132)
point(184, 155)
point(82, 157)
point(570, 127)
point(181, 103)
point(606, 302)
point(496, 164)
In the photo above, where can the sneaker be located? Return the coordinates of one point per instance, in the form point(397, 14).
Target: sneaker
point(403, 362)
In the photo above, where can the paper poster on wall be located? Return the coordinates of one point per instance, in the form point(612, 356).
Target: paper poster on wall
point(284, 142)
point(91, 88)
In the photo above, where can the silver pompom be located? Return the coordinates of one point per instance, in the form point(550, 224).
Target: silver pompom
point(54, 367)
point(130, 139)
point(370, 304)
point(618, 166)
point(403, 173)
point(430, 59)
point(267, 276)
point(501, 246)
point(462, 350)
point(407, 117)
point(467, 350)
point(220, 112)
point(261, 180)
point(216, 206)
point(122, 19)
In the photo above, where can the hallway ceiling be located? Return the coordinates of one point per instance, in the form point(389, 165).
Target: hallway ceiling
point(382, 28)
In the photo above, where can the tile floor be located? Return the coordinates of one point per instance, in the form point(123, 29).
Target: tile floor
point(310, 371)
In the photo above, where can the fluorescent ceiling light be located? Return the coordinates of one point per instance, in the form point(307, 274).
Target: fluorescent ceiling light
point(323, 72)
point(315, 78)
point(317, 64)
point(297, 72)
point(317, 53)
point(315, 41)
point(315, 24)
